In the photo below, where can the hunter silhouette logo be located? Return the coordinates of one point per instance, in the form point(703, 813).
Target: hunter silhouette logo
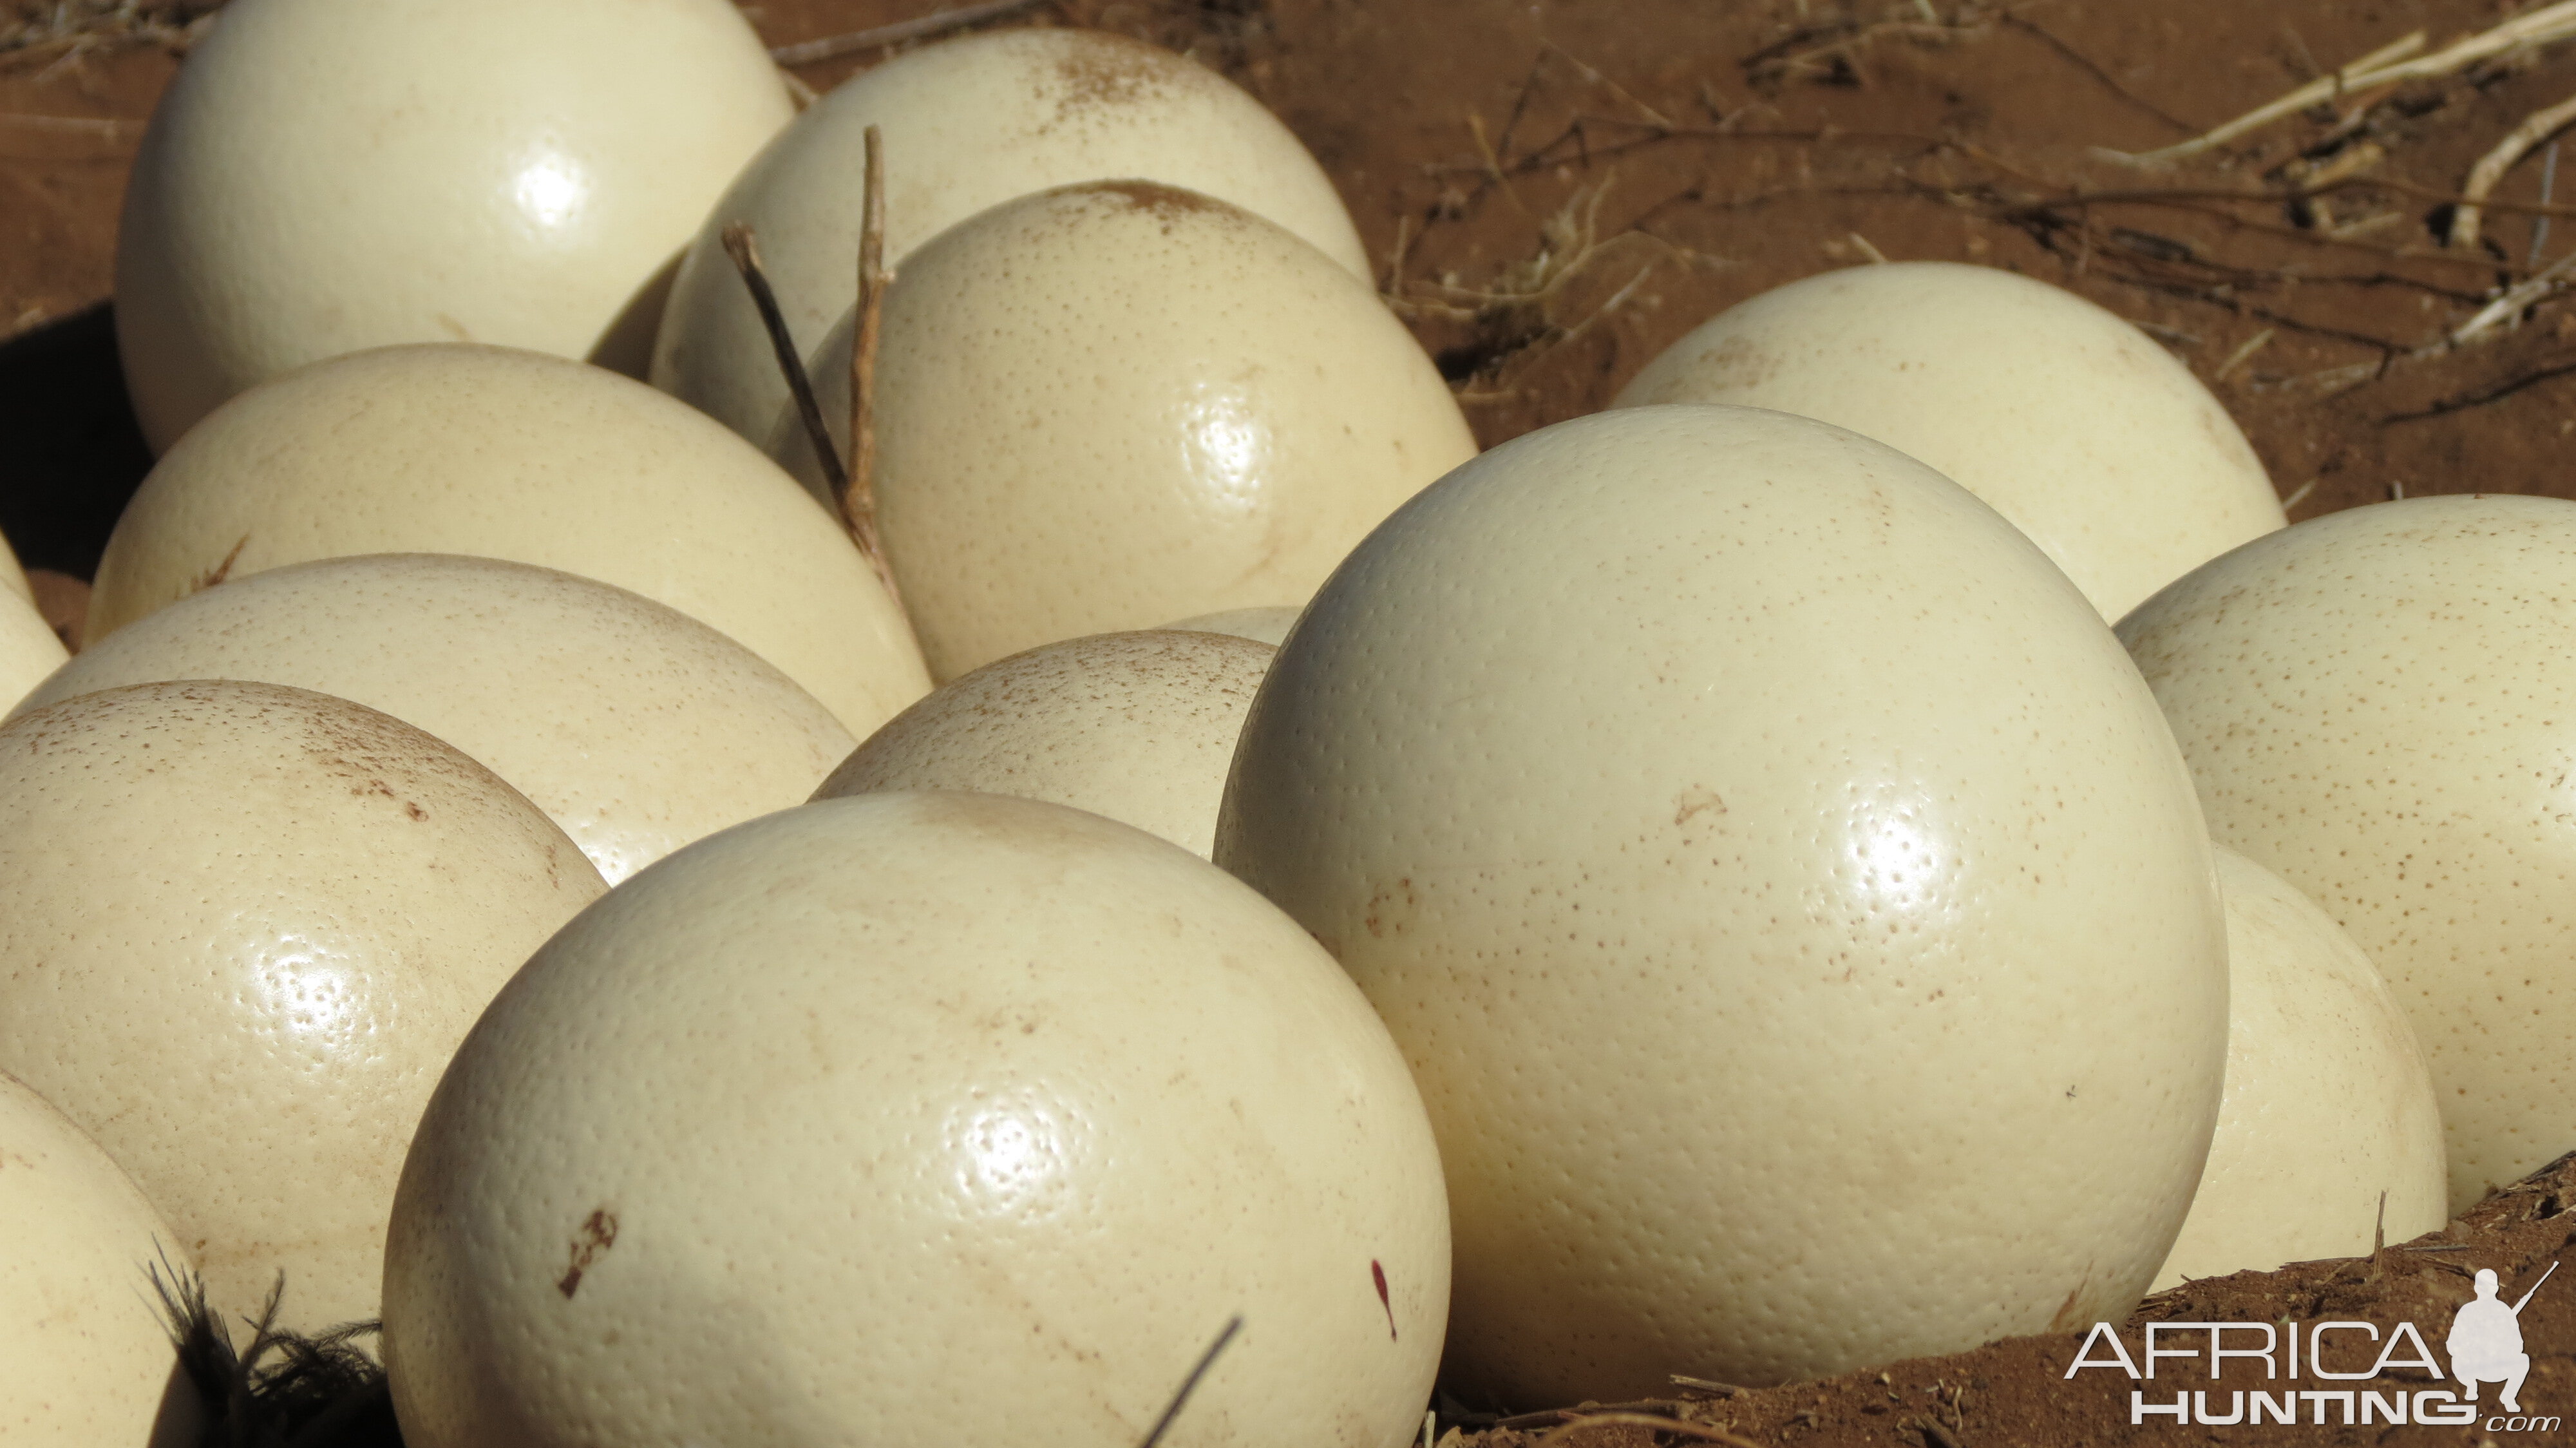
point(2486, 1341)
point(2275, 1362)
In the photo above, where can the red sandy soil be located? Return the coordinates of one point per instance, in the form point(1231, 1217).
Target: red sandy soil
point(1556, 189)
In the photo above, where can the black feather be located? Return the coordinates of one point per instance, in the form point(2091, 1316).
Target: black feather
point(285, 1390)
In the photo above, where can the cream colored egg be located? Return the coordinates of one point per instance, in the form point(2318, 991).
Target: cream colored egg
point(510, 454)
point(818, 1130)
point(1267, 625)
point(89, 1353)
point(2377, 708)
point(2070, 422)
point(1112, 405)
point(1795, 912)
point(634, 727)
point(966, 124)
point(29, 648)
point(247, 926)
point(12, 574)
point(1136, 726)
point(324, 177)
point(2329, 1136)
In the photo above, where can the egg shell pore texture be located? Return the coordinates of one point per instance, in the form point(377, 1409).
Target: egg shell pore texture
point(1766, 860)
point(1111, 405)
point(2076, 426)
point(324, 177)
point(2329, 1133)
point(633, 726)
point(247, 925)
point(967, 124)
point(2377, 708)
point(30, 650)
point(504, 453)
point(89, 1355)
point(888, 1094)
point(1139, 727)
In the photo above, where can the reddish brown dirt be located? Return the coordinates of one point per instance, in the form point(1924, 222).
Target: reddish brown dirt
point(1555, 189)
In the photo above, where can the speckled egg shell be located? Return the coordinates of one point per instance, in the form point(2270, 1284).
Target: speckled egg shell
point(2070, 422)
point(1267, 625)
point(633, 726)
point(1794, 911)
point(247, 925)
point(2329, 1135)
point(324, 177)
point(2378, 708)
point(29, 648)
point(1136, 726)
point(511, 454)
point(967, 124)
point(89, 1354)
point(1112, 405)
point(820, 1128)
point(12, 574)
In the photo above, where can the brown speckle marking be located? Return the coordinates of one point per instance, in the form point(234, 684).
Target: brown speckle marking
point(1107, 72)
point(598, 1233)
point(1392, 908)
point(1166, 204)
point(220, 571)
point(1377, 1274)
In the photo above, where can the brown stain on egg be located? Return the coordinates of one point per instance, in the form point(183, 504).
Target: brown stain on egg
point(1166, 204)
point(598, 1233)
point(1696, 800)
point(220, 571)
point(2069, 1316)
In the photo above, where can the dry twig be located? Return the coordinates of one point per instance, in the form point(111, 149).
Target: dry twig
point(1681, 1427)
point(2388, 66)
point(744, 247)
point(859, 490)
point(2358, 75)
point(2514, 300)
point(2537, 127)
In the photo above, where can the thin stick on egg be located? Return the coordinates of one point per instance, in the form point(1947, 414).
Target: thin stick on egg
point(744, 247)
point(858, 492)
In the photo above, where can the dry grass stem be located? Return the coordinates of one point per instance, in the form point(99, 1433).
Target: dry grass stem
point(1493, 162)
point(2537, 127)
point(1680, 1427)
point(2387, 66)
point(1876, 257)
point(1793, 57)
point(2514, 301)
point(2301, 496)
point(744, 247)
point(2355, 76)
point(79, 125)
point(2243, 354)
point(1652, 116)
point(859, 495)
point(830, 47)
